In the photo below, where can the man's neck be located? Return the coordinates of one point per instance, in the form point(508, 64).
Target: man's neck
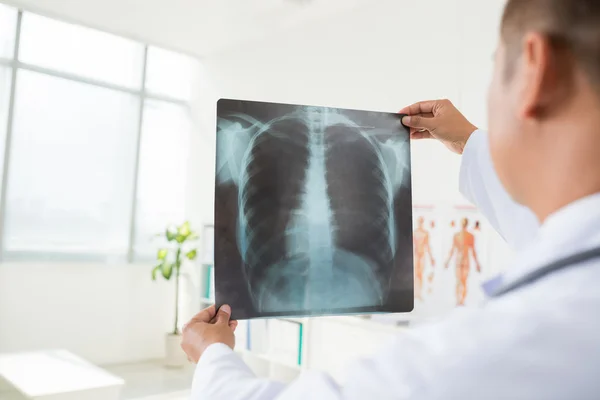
point(563, 201)
point(566, 165)
point(572, 173)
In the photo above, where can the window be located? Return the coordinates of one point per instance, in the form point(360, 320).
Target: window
point(8, 29)
point(5, 87)
point(98, 157)
point(85, 52)
point(71, 172)
point(162, 177)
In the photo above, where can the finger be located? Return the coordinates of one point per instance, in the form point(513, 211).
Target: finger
point(416, 135)
point(233, 325)
point(418, 122)
point(421, 107)
point(415, 130)
point(205, 315)
point(424, 115)
point(223, 314)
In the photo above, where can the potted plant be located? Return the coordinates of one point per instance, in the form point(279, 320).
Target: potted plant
point(179, 247)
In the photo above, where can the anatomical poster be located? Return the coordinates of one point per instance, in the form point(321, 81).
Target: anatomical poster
point(426, 240)
point(465, 255)
point(313, 211)
point(451, 246)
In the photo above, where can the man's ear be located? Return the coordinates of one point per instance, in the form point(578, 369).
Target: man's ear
point(542, 76)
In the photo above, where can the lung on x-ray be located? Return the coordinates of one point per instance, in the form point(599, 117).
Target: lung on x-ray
point(313, 211)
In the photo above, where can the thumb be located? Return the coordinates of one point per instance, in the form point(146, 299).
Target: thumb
point(223, 314)
point(418, 122)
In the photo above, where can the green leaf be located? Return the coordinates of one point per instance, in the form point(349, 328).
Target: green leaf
point(193, 236)
point(167, 270)
point(191, 255)
point(170, 235)
point(180, 238)
point(184, 230)
point(162, 254)
point(155, 271)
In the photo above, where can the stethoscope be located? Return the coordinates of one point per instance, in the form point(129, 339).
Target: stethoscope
point(561, 264)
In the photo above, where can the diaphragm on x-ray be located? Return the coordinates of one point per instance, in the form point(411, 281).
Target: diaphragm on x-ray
point(313, 211)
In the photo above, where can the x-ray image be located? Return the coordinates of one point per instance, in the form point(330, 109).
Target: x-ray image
point(313, 211)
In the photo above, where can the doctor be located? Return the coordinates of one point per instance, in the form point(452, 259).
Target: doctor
point(538, 335)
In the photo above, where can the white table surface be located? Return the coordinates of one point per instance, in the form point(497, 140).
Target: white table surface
point(43, 373)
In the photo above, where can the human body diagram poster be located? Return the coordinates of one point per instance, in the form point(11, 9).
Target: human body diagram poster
point(451, 258)
point(313, 212)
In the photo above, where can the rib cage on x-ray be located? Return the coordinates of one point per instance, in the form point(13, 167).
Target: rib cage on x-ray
point(360, 196)
point(316, 224)
point(305, 204)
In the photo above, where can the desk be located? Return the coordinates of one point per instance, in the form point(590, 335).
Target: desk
point(58, 375)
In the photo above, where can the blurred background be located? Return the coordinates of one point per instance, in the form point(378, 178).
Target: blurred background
point(107, 137)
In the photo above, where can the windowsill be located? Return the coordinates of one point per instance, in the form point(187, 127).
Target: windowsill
point(20, 257)
point(10, 263)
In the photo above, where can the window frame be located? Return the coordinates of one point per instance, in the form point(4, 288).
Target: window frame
point(14, 64)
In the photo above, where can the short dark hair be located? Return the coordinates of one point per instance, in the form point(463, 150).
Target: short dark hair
point(572, 26)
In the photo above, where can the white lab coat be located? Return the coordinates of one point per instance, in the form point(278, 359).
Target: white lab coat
point(541, 342)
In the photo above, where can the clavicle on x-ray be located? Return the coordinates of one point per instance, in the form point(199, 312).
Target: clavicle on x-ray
point(312, 211)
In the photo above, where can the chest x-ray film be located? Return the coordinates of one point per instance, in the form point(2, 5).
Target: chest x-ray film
point(313, 211)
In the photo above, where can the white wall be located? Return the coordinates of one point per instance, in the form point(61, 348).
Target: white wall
point(106, 313)
point(380, 57)
point(99, 311)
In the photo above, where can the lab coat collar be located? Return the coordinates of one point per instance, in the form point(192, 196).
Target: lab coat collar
point(572, 229)
point(581, 211)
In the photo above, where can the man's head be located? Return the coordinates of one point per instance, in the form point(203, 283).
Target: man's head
point(464, 222)
point(544, 102)
point(420, 222)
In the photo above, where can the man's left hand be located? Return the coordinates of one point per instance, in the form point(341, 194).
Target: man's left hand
point(208, 327)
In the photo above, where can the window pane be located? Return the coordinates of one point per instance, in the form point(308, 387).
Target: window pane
point(71, 171)
point(8, 28)
point(5, 77)
point(162, 177)
point(82, 51)
point(170, 74)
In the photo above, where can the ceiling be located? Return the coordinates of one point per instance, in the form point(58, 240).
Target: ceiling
point(197, 27)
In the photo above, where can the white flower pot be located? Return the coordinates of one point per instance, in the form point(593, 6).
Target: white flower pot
point(175, 357)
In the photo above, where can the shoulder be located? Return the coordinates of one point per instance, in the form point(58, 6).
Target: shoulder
point(495, 346)
point(487, 352)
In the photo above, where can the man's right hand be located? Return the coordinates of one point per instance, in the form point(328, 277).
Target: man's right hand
point(438, 119)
